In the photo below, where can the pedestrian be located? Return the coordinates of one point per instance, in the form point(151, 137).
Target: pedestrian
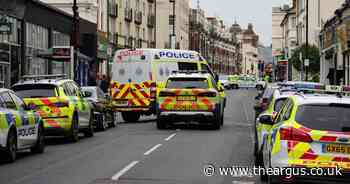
point(104, 84)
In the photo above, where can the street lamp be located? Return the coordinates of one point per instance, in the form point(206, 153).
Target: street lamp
point(75, 39)
point(173, 21)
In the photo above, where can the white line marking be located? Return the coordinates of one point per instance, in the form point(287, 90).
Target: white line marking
point(170, 137)
point(124, 170)
point(152, 149)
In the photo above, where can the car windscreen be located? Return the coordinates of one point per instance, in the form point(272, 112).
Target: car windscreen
point(187, 83)
point(35, 90)
point(279, 104)
point(330, 117)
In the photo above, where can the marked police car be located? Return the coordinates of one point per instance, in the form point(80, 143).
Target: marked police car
point(191, 96)
point(310, 131)
point(61, 104)
point(20, 128)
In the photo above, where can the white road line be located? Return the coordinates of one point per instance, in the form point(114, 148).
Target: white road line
point(152, 149)
point(170, 137)
point(124, 170)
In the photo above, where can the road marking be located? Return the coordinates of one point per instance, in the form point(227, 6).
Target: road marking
point(170, 137)
point(124, 170)
point(152, 149)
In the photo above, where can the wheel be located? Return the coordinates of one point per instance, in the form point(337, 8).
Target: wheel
point(131, 116)
point(39, 147)
point(161, 125)
point(74, 132)
point(112, 123)
point(259, 87)
point(101, 122)
point(11, 146)
point(89, 132)
point(216, 124)
point(222, 120)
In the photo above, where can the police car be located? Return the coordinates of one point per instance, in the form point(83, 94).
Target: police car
point(61, 104)
point(310, 131)
point(20, 128)
point(191, 96)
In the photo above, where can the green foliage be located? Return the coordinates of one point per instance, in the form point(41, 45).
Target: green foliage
point(313, 54)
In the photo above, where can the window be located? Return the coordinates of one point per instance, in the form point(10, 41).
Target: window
point(288, 111)
point(35, 90)
point(7, 100)
point(19, 102)
point(67, 90)
point(187, 83)
point(279, 104)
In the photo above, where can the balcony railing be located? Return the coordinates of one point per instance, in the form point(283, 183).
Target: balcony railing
point(128, 14)
point(138, 17)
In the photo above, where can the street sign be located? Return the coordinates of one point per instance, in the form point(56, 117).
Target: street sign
point(307, 62)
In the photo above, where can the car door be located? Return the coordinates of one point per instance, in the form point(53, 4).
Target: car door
point(29, 120)
point(83, 105)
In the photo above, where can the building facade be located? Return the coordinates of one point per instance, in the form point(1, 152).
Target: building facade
point(165, 27)
point(28, 48)
point(278, 14)
point(249, 41)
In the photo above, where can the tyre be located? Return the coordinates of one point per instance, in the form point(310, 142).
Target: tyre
point(74, 131)
point(89, 132)
point(11, 146)
point(39, 147)
point(259, 87)
point(112, 118)
point(101, 123)
point(216, 124)
point(131, 116)
point(161, 124)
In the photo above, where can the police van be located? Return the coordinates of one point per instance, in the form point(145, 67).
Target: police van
point(139, 74)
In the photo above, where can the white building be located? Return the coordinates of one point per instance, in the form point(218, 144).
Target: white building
point(249, 40)
point(164, 29)
point(278, 14)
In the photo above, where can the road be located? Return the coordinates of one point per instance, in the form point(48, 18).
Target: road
point(140, 154)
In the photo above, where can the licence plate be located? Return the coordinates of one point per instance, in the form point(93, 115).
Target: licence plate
point(336, 148)
point(186, 98)
point(121, 102)
point(185, 107)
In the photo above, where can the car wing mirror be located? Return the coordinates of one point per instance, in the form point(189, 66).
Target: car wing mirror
point(266, 120)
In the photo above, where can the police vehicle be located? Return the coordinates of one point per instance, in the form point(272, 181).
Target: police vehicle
point(138, 75)
point(20, 128)
point(310, 131)
point(191, 96)
point(61, 104)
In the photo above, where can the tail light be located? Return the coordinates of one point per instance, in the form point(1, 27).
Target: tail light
point(153, 90)
point(293, 134)
point(166, 93)
point(207, 94)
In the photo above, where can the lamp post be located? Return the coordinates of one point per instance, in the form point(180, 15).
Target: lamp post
point(173, 22)
point(75, 39)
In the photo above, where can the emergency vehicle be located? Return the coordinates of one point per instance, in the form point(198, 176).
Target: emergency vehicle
point(138, 75)
point(61, 104)
point(191, 96)
point(20, 128)
point(310, 131)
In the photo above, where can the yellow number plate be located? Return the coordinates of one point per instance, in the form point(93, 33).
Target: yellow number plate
point(186, 98)
point(185, 107)
point(336, 148)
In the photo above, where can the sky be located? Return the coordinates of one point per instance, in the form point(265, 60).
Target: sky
point(257, 12)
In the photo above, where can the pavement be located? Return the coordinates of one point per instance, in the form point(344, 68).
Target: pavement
point(138, 153)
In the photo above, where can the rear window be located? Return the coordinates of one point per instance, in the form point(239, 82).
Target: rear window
point(35, 90)
point(279, 104)
point(188, 66)
point(331, 117)
point(187, 83)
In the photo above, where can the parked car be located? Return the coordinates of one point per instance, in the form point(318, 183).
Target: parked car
point(104, 116)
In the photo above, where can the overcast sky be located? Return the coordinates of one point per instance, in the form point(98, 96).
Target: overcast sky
point(257, 12)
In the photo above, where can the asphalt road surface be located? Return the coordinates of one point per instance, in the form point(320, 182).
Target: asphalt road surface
point(138, 153)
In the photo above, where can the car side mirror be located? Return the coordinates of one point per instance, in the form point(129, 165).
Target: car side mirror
point(87, 94)
point(266, 120)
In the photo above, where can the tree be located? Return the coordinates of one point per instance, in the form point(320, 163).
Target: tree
point(313, 54)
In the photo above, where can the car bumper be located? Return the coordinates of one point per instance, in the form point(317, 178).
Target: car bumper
point(179, 116)
point(57, 126)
